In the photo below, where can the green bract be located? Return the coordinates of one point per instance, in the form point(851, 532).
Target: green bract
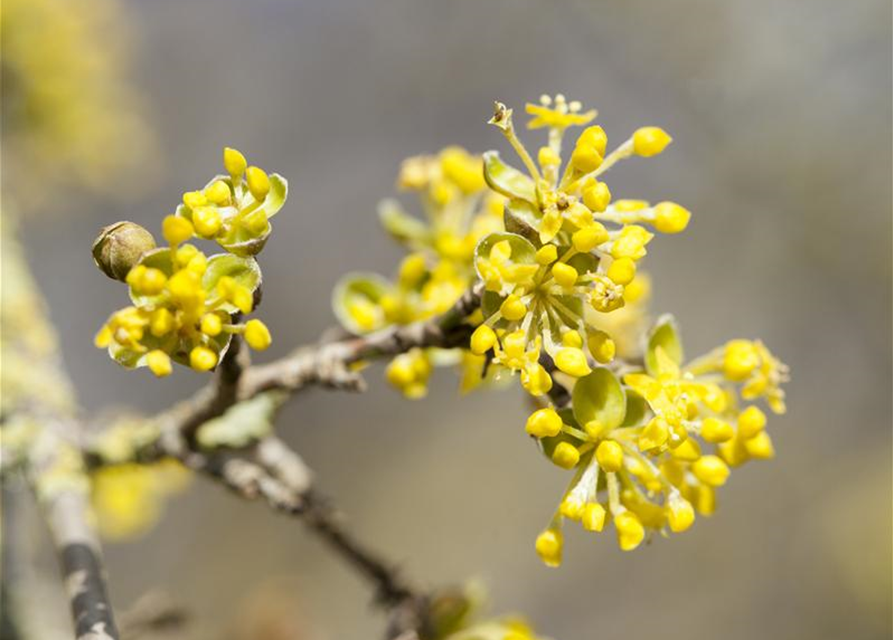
point(522, 217)
point(599, 396)
point(507, 180)
point(245, 223)
point(400, 224)
point(357, 289)
point(245, 271)
point(664, 334)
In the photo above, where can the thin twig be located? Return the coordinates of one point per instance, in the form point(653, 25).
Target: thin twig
point(273, 472)
point(62, 488)
point(326, 363)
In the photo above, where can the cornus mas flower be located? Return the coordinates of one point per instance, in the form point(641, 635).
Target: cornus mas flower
point(186, 305)
point(567, 249)
point(650, 448)
point(647, 437)
point(235, 209)
point(556, 284)
point(458, 212)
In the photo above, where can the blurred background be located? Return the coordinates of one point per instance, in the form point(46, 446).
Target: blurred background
point(781, 114)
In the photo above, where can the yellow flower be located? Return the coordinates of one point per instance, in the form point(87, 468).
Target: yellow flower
point(184, 305)
point(409, 373)
point(639, 446)
point(557, 113)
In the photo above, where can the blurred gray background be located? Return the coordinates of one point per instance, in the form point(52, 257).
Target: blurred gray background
point(781, 114)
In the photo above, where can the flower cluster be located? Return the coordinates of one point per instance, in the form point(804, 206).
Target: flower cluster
point(569, 253)
point(647, 437)
point(650, 446)
point(439, 267)
point(186, 305)
point(634, 435)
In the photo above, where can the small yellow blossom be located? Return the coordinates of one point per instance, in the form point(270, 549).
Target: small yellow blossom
point(650, 141)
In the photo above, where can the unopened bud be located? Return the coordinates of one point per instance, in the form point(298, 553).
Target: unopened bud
point(119, 247)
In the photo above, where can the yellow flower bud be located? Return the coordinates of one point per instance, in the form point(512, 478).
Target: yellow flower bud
point(103, 337)
point(631, 242)
point(185, 288)
point(197, 264)
point(135, 276)
point(234, 162)
point(238, 295)
point(564, 274)
point(566, 455)
point(211, 324)
point(186, 253)
point(482, 340)
point(586, 159)
point(597, 196)
point(161, 322)
point(535, 379)
point(589, 237)
point(571, 338)
point(601, 346)
point(207, 221)
point(218, 193)
point(400, 372)
point(364, 313)
point(549, 544)
point(740, 359)
point(610, 456)
point(711, 470)
point(571, 508)
point(547, 157)
point(258, 182)
point(638, 289)
point(412, 270)
point(512, 308)
point(257, 335)
point(176, 230)
point(630, 531)
point(715, 430)
point(514, 344)
point(194, 199)
point(256, 222)
point(751, 421)
point(159, 363)
point(544, 423)
point(680, 513)
point(547, 254)
point(650, 141)
point(760, 446)
point(595, 137)
point(622, 271)
point(594, 517)
point(572, 361)
point(463, 169)
point(202, 359)
point(670, 217)
point(148, 281)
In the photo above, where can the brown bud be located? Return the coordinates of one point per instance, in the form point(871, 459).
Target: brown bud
point(119, 247)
